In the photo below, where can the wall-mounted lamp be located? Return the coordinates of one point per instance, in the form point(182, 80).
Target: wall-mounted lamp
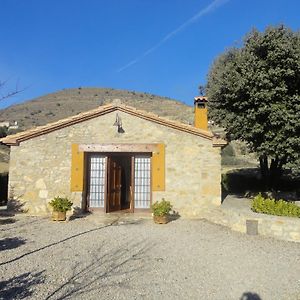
point(118, 123)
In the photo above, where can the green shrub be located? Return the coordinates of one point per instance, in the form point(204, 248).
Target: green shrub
point(161, 208)
point(3, 131)
point(238, 181)
point(228, 151)
point(230, 161)
point(271, 206)
point(61, 204)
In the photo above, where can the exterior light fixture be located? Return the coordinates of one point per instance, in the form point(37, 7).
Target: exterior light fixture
point(118, 123)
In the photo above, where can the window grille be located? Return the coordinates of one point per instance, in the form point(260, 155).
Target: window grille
point(97, 180)
point(142, 181)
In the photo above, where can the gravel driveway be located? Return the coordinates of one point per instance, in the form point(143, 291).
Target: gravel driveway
point(135, 259)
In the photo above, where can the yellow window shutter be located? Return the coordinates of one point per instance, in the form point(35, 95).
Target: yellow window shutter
point(77, 169)
point(158, 168)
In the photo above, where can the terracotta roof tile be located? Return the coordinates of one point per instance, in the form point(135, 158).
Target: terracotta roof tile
point(16, 139)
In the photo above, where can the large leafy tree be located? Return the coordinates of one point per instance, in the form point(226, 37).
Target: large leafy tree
point(254, 93)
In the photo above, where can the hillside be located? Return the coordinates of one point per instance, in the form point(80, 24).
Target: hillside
point(68, 102)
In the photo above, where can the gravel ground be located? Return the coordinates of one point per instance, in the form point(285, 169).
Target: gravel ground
point(136, 259)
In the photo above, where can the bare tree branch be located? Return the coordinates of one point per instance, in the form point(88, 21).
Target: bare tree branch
point(10, 93)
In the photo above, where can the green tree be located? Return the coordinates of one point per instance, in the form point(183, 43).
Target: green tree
point(254, 93)
point(3, 131)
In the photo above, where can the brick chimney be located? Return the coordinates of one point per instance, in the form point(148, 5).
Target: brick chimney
point(200, 104)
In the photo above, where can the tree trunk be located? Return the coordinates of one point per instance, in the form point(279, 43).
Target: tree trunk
point(271, 175)
point(264, 170)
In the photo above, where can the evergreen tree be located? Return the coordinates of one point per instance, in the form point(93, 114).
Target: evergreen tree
point(254, 93)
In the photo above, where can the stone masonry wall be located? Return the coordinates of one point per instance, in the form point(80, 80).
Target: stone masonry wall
point(235, 212)
point(40, 168)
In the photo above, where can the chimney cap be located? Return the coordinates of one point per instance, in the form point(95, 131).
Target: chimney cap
point(200, 99)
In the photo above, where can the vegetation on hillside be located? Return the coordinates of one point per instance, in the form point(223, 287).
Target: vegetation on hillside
point(254, 94)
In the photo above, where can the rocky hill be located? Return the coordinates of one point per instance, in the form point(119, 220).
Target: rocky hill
point(68, 102)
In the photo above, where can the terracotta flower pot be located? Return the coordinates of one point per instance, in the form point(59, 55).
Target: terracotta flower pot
point(161, 219)
point(58, 216)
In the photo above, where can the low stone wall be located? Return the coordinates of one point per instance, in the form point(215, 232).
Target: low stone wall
point(236, 214)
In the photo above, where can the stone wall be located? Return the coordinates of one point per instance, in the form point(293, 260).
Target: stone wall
point(235, 213)
point(40, 168)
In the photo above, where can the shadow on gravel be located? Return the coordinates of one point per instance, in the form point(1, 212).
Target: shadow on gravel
point(250, 296)
point(11, 243)
point(115, 268)
point(21, 286)
point(6, 213)
point(78, 213)
point(7, 221)
point(32, 221)
point(64, 240)
point(173, 217)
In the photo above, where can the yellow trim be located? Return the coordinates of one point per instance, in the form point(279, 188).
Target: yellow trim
point(158, 168)
point(77, 169)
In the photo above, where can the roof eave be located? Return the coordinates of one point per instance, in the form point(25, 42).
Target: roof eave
point(16, 139)
point(218, 142)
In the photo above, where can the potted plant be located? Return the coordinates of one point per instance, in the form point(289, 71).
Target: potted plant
point(161, 211)
point(60, 207)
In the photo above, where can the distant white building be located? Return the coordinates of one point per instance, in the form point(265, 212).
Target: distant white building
point(9, 125)
point(4, 124)
point(14, 125)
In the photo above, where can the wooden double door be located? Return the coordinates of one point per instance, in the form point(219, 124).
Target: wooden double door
point(119, 182)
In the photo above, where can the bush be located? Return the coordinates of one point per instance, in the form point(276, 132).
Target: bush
point(161, 208)
point(14, 131)
point(230, 161)
point(3, 131)
point(271, 206)
point(228, 151)
point(61, 204)
point(240, 181)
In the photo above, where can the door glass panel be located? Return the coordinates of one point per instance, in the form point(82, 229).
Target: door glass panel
point(142, 181)
point(97, 180)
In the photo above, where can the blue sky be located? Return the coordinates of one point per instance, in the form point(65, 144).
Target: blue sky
point(150, 46)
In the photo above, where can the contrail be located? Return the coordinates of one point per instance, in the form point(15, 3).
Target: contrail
point(208, 9)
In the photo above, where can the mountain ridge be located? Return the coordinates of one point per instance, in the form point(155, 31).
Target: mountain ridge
point(68, 102)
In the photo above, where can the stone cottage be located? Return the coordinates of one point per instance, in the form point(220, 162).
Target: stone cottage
point(115, 158)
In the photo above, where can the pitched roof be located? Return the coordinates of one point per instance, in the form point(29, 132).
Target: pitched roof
point(16, 139)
